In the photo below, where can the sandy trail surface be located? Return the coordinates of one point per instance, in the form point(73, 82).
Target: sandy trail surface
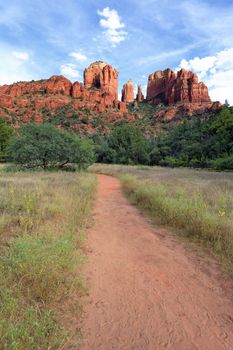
point(147, 289)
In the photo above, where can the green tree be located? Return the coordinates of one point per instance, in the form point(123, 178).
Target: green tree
point(47, 146)
point(127, 145)
point(197, 142)
point(6, 133)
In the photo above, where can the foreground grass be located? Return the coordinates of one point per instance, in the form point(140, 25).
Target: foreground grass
point(43, 218)
point(198, 203)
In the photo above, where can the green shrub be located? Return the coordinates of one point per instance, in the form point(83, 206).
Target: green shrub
point(225, 163)
point(48, 147)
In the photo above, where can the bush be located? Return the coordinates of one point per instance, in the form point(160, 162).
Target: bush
point(225, 163)
point(48, 147)
point(5, 134)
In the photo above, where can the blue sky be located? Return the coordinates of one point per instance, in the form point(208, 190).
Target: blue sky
point(40, 38)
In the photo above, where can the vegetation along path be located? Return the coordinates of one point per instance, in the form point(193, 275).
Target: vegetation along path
point(147, 289)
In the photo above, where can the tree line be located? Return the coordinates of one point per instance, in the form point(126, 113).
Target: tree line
point(194, 143)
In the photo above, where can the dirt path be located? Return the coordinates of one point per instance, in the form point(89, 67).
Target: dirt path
point(147, 291)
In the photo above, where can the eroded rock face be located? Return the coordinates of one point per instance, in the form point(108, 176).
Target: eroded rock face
point(127, 92)
point(92, 75)
point(77, 90)
point(102, 77)
point(58, 85)
point(140, 96)
point(170, 88)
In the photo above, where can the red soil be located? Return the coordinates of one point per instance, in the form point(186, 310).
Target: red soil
point(147, 289)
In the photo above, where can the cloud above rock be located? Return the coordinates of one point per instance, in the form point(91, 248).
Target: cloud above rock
point(78, 56)
point(69, 70)
point(216, 71)
point(113, 26)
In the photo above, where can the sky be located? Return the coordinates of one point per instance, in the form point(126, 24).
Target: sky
point(41, 38)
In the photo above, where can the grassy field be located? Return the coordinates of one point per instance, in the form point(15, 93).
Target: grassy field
point(42, 225)
point(198, 204)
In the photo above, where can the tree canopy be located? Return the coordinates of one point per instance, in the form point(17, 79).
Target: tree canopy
point(48, 147)
point(126, 145)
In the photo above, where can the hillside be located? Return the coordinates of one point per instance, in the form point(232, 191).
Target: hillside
point(93, 107)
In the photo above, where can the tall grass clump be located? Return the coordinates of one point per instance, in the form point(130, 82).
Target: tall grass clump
point(44, 218)
point(180, 208)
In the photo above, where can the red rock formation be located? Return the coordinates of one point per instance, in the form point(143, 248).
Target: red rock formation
point(92, 75)
point(216, 106)
point(169, 88)
point(158, 86)
point(6, 101)
point(122, 107)
point(100, 90)
point(27, 101)
point(77, 90)
point(127, 92)
point(109, 82)
point(58, 85)
point(103, 78)
point(140, 96)
point(54, 85)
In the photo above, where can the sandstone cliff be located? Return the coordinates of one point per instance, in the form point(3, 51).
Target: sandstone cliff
point(170, 88)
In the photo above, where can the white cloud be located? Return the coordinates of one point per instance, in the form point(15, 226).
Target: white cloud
point(14, 68)
point(200, 65)
point(216, 71)
point(23, 56)
point(70, 70)
point(78, 56)
point(113, 25)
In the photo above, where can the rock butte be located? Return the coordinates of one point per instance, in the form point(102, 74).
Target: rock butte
point(99, 92)
point(127, 92)
point(140, 96)
point(169, 88)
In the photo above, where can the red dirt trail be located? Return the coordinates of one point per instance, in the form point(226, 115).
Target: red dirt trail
point(148, 291)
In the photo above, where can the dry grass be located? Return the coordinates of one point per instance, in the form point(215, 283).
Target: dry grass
point(43, 219)
point(198, 203)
